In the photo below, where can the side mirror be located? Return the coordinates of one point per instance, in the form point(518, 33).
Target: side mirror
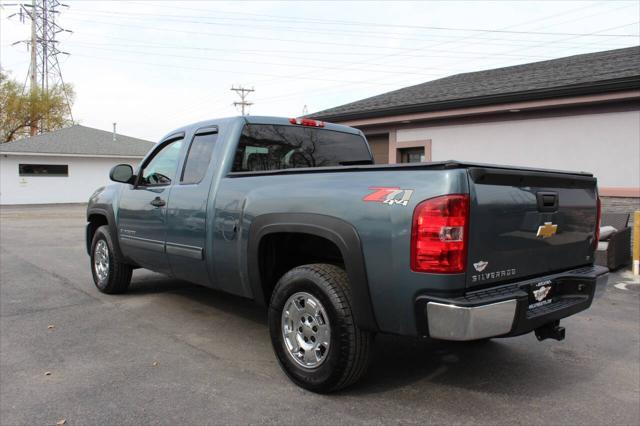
point(122, 173)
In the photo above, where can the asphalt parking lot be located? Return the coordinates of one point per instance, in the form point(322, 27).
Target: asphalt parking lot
point(172, 353)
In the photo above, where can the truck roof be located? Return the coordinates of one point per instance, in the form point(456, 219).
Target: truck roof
point(256, 119)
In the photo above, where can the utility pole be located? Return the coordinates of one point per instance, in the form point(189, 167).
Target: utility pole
point(243, 93)
point(44, 68)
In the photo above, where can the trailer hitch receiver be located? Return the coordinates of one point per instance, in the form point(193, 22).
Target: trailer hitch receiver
point(551, 330)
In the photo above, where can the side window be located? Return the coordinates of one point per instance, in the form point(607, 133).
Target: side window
point(198, 158)
point(161, 169)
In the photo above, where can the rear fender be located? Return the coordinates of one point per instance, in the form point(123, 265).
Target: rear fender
point(339, 232)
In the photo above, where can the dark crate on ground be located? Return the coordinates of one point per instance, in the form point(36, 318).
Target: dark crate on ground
point(615, 251)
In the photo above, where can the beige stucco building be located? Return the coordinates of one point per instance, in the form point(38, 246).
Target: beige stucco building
point(576, 113)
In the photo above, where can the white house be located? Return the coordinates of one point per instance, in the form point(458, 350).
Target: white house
point(64, 166)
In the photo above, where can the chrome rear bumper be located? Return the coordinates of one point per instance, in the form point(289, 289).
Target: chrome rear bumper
point(451, 322)
point(508, 310)
point(601, 285)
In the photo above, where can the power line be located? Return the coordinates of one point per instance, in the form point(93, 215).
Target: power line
point(243, 93)
point(420, 48)
point(304, 75)
point(369, 62)
point(595, 32)
point(305, 64)
point(401, 54)
point(310, 52)
point(473, 41)
point(253, 25)
point(311, 66)
point(314, 53)
point(556, 42)
point(321, 21)
point(428, 49)
point(395, 55)
point(261, 37)
point(172, 66)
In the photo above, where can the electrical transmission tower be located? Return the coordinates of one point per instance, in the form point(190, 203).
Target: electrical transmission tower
point(44, 68)
point(243, 93)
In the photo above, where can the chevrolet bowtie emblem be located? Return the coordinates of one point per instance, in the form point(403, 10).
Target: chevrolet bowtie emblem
point(547, 230)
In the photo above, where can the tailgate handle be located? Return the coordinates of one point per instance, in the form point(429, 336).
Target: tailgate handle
point(547, 201)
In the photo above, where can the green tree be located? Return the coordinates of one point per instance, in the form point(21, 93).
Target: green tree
point(39, 109)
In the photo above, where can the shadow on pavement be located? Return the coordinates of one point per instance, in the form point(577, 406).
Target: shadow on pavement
point(498, 366)
point(150, 283)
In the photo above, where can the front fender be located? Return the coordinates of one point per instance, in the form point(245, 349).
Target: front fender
point(103, 203)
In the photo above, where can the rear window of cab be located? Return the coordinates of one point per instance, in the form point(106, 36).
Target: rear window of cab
point(264, 147)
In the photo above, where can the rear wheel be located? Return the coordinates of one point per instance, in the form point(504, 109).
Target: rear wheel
point(110, 274)
point(313, 332)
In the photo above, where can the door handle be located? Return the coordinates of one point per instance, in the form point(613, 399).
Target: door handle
point(158, 202)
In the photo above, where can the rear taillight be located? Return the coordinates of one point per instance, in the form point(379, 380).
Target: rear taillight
point(306, 122)
point(439, 235)
point(598, 218)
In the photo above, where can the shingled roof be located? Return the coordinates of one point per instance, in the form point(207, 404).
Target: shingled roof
point(80, 140)
point(574, 75)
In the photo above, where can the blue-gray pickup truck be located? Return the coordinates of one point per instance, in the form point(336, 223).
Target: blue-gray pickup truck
point(294, 214)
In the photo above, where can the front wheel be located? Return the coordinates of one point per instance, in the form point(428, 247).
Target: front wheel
point(314, 336)
point(110, 274)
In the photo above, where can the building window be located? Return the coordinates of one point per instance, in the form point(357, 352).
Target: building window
point(412, 155)
point(43, 170)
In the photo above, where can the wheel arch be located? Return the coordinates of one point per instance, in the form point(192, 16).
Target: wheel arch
point(97, 217)
point(336, 231)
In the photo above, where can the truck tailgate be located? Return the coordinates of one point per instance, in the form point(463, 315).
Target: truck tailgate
point(528, 223)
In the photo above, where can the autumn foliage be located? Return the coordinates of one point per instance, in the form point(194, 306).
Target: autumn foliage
point(21, 110)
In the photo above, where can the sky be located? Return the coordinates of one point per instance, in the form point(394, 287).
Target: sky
point(153, 66)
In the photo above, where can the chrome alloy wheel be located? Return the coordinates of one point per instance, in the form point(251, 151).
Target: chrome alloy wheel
point(101, 260)
point(306, 330)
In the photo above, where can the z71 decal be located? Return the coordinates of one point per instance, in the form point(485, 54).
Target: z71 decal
point(389, 195)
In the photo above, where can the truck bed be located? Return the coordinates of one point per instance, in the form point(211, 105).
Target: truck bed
point(433, 165)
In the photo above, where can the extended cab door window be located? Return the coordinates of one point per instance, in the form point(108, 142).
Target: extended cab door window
point(199, 156)
point(160, 170)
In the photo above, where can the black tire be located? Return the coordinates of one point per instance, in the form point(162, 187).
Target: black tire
point(350, 347)
point(119, 273)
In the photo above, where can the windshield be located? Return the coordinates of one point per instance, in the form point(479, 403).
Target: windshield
point(275, 147)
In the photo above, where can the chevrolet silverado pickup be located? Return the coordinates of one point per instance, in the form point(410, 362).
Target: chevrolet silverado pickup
point(295, 214)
